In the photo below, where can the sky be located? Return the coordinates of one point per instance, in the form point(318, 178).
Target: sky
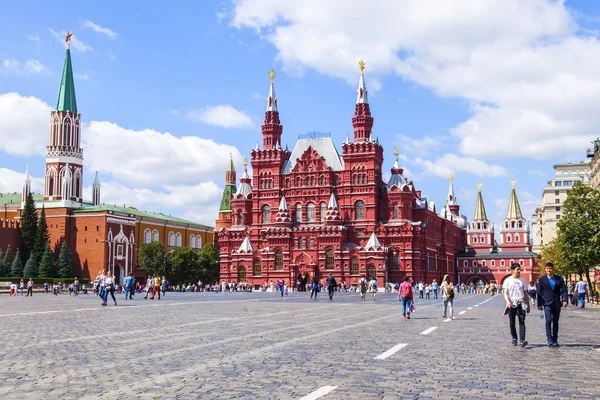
point(489, 90)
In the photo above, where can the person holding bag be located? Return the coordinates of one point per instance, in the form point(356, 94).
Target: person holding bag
point(448, 296)
point(405, 295)
point(110, 288)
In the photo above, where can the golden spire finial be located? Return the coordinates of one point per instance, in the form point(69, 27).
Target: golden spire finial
point(513, 182)
point(479, 185)
point(230, 156)
point(451, 177)
point(68, 39)
point(396, 151)
point(361, 65)
point(272, 75)
point(245, 162)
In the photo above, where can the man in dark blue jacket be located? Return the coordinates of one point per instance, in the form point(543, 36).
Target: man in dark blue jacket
point(551, 292)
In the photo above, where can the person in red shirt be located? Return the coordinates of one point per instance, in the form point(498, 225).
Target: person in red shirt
point(405, 295)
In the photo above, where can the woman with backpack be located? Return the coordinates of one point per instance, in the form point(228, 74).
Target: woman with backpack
point(448, 296)
point(405, 295)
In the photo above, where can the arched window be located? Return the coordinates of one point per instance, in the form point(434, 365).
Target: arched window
point(240, 218)
point(359, 210)
point(278, 260)
point(155, 235)
point(147, 236)
point(474, 263)
point(395, 215)
point(171, 239)
point(493, 263)
point(287, 182)
point(353, 266)
point(308, 243)
point(394, 261)
point(371, 272)
point(298, 181)
point(299, 243)
point(516, 237)
point(198, 241)
point(465, 264)
point(193, 241)
point(322, 180)
point(508, 237)
point(521, 263)
point(512, 224)
point(364, 178)
point(266, 214)
point(178, 239)
point(354, 179)
point(323, 211)
point(298, 212)
point(257, 268)
point(242, 274)
point(474, 239)
point(502, 263)
point(484, 263)
point(520, 224)
point(310, 212)
point(66, 133)
point(329, 259)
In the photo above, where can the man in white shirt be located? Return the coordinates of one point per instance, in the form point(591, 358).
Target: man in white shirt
point(581, 289)
point(517, 303)
point(373, 286)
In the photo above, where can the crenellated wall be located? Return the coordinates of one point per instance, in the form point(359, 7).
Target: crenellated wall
point(10, 233)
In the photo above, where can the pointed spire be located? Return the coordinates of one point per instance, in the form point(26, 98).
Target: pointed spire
point(27, 177)
point(283, 213)
point(246, 246)
point(347, 139)
point(480, 214)
point(26, 185)
point(514, 209)
point(96, 191)
point(245, 189)
point(333, 216)
point(361, 92)
point(283, 204)
point(96, 181)
point(373, 243)
point(396, 152)
point(272, 127)
point(451, 198)
point(231, 167)
point(66, 93)
point(332, 202)
point(272, 99)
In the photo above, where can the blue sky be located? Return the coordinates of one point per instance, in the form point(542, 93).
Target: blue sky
point(492, 92)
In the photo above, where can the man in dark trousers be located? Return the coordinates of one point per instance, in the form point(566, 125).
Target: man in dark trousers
point(552, 294)
point(331, 284)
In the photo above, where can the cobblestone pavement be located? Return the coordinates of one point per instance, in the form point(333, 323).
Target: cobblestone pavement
point(262, 346)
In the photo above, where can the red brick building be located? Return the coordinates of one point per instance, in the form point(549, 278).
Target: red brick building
point(313, 211)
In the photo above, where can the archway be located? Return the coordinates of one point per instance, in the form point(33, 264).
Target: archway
point(242, 274)
point(118, 274)
point(371, 272)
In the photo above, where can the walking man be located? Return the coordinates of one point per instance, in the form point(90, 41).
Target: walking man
point(149, 286)
point(551, 295)
point(434, 287)
point(129, 286)
point(331, 284)
point(373, 286)
point(30, 288)
point(420, 287)
point(156, 288)
point(580, 288)
point(517, 303)
point(363, 287)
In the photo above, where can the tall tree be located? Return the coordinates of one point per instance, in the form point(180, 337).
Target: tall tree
point(209, 260)
point(17, 265)
point(29, 220)
point(553, 252)
point(183, 265)
point(42, 237)
point(153, 258)
point(46, 268)
point(579, 230)
point(7, 261)
point(65, 264)
point(31, 268)
point(2, 263)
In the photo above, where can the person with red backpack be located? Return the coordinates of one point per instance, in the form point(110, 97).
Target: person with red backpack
point(405, 295)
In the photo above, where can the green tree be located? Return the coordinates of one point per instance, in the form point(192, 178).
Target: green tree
point(183, 265)
point(7, 262)
point(17, 265)
point(46, 268)
point(210, 263)
point(65, 264)
point(29, 220)
point(31, 268)
point(153, 258)
point(2, 263)
point(42, 237)
point(553, 252)
point(579, 230)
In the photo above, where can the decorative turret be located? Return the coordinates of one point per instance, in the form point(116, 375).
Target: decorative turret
point(225, 219)
point(96, 191)
point(515, 231)
point(246, 246)
point(480, 232)
point(480, 214)
point(245, 188)
point(66, 93)
point(451, 201)
point(514, 209)
point(283, 213)
point(373, 243)
point(26, 186)
point(333, 216)
point(396, 178)
point(272, 127)
point(362, 120)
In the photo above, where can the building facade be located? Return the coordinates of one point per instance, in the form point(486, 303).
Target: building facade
point(99, 236)
point(313, 212)
point(484, 260)
point(593, 155)
point(548, 213)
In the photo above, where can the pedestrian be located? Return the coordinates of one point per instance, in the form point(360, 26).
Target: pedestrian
point(427, 291)
point(531, 292)
point(109, 288)
point(163, 284)
point(21, 287)
point(129, 282)
point(551, 295)
point(46, 286)
point(517, 303)
point(149, 286)
point(571, 290)
point(373, 286)
point(363, 287)
point(75, 286)
point(420, 288)
point(156, 287)
point(314, 287)
point(29, 288)
point(101, 278)
point(434, 287)
point(448, 296)
point(581, 289)
point(405, 295)
point(331, 284)
point(285, 289)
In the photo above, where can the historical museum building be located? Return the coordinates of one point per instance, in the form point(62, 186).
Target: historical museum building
point(313, 211)
point(99, 236)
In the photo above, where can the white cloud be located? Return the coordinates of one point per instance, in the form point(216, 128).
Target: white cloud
point(83, 77)
point(97, 28)
point(451, 163)
point(18, 68)
point(419, 147)
point(524, 66)
point(224, 116)
point(12, 181)
point(536, 172)
point(111, 56)
point(76, 44)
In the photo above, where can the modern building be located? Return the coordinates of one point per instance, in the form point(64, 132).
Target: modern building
point(548, 213)
point(100, 236)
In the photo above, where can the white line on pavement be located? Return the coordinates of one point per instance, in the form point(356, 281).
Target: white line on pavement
point(391, 351)
point(322, 391)
point(447, 320)
point(429, 330)
point(470, 308)
point(476, 305)
point(461, 313)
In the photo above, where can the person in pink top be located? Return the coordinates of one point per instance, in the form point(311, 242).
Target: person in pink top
point(405, 295)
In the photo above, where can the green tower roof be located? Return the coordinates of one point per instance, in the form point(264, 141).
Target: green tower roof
point(226, 199)
point(66, 93)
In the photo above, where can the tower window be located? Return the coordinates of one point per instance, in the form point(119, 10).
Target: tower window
point(310, 212)
point(359, 210)
point(323, 211)
point(329, 259)
point(266, 214)
point(298, 212)
point(278, 260)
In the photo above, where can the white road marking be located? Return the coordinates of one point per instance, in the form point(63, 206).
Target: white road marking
point(476, 305)
point(391, 351)
point(461, 313)
point(447, 320)
point(470, 308)
point(429, 330)
point(322, 391)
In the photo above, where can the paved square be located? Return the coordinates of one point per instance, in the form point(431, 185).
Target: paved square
point(263, 346)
